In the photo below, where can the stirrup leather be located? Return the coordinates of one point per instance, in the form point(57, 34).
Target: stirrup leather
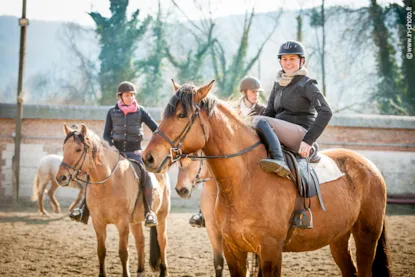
point(302, 220)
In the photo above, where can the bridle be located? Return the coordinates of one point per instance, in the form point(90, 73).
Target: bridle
point(177, 143)
point(197, 180)
point(76, 171)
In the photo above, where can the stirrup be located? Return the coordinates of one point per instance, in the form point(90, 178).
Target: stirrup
point(197, 220)
point(302, 220)
point(78, 216)
point(151, 219)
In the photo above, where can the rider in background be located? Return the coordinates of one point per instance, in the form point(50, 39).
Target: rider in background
point(296, 114)
point(247, 107)
point(124, 132)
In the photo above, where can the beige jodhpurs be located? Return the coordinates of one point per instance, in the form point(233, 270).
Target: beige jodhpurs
point(289, 134)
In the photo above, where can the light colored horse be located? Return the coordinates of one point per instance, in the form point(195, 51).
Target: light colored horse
point(114, 197)
point(45, 174)
point(255, 208)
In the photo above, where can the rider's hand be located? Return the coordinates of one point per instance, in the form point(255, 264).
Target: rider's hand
point(304, 150)
point(138, 152)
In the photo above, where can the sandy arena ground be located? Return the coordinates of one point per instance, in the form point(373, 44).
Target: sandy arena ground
point(34, 245)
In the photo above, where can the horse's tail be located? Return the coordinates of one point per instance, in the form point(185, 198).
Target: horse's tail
point(155, 258)
point(35, 189)
point(381, 264)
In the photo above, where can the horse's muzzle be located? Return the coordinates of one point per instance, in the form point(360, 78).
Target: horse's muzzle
point(184, 192)
point(151, 166)
point(63, 180)
point(148, 161)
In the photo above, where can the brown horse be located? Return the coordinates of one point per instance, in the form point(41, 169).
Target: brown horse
point(191, 174)
point(113, 197)
point(45, 174)
point(255, 208)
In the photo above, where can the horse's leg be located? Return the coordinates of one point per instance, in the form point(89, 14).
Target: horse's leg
point(366, 233)
point(41, 193)
point(137, 230)
point(340, 251)
point(207, 205)
point(53, 201)
point(215, 238)
point(271, 259)
point(162, 240)
point(101, 232)
point(236, 260)
point(76, 202)
point(123, 230)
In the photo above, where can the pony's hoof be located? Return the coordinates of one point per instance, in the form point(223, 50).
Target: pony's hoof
point(141, 274)
point(45, 213)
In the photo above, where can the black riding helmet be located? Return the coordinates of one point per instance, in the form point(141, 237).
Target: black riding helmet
point(126, 87)
point(291, 47)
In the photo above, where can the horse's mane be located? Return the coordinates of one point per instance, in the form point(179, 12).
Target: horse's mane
point(185, 95)
point(92, 140)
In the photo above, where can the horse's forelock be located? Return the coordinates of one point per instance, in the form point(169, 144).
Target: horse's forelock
point(78, 137)
point(185, 96)
point(92, 140)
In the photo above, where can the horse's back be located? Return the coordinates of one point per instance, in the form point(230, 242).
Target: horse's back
point(49, 164)
point(349, 160)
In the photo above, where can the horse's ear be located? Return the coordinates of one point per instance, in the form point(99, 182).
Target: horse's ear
point(175, 86)
point(84, 129)
point(203, 91)
point(66, 129)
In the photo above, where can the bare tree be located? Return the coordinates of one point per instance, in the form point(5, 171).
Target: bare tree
point(81, 82)
point(227, 74)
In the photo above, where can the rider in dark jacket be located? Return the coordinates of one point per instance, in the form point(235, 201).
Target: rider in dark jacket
point(124, 132)
point(296, 114)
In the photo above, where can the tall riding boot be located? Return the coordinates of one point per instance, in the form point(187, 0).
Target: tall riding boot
point(150, 216)
point(81, 214)
point(277, 163)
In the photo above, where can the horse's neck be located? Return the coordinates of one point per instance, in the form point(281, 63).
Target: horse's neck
point(229, 135)
point(103, 166)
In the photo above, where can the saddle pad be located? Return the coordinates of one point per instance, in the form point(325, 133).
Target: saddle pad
point(326, 169)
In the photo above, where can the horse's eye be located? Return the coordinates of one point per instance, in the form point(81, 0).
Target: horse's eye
point(78, 150)
point(181, 115)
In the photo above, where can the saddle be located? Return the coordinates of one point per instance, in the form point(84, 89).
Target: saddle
point(307, 183)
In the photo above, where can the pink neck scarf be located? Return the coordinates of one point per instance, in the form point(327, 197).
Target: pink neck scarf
point(127, 109)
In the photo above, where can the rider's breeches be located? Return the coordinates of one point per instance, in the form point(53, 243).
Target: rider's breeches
point(289, 134)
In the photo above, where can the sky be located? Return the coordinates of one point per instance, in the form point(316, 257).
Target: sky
point(76, 10)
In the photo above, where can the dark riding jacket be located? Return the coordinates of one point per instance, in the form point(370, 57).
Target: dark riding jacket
point(301, 103)
point(126, 131)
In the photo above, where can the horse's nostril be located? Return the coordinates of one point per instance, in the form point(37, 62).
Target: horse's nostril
point(62, 178)
point(150, 159)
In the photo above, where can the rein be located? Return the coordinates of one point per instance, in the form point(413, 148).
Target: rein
point(197, 180)
point(74, 174)
point(175, 149)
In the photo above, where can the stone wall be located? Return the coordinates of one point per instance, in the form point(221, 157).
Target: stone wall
point(389, 141)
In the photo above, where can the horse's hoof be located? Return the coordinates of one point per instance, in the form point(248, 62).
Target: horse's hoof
point(141, 274)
